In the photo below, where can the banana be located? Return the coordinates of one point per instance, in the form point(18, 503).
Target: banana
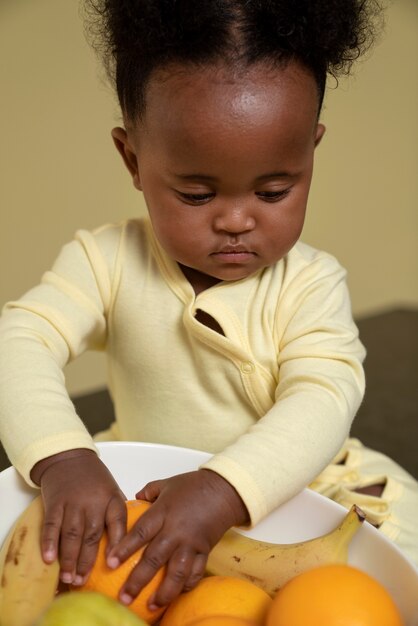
point(27, 583)
point(270, 565)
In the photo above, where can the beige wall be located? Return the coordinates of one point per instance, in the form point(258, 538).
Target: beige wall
point(59, 170)
point(364, 200)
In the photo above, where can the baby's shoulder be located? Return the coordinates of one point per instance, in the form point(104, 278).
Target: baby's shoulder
point(113, 243)
point(111, 238)
point(112, 233)
point(305, 258)
point(305, 268)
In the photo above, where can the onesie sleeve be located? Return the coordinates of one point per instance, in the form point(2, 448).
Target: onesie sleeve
point(40, 333)
point(320, 387)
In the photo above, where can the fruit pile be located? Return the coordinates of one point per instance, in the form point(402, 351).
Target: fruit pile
point(249, 583)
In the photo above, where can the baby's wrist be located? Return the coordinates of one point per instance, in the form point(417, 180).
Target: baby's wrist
point(40, 468)
point(238, 511)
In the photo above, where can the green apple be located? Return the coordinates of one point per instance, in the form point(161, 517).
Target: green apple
point(88, 608)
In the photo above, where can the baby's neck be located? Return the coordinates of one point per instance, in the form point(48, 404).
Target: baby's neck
point(198, 280)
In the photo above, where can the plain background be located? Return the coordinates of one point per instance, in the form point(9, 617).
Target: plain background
point(59, 170)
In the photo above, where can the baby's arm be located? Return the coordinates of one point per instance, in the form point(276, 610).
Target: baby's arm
point(44, 438)
point(320, 384)
point(40, 333)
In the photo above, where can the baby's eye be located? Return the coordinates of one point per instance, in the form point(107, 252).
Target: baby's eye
point(272, 196)
point(196, 198)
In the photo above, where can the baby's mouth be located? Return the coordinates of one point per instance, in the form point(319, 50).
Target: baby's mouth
point(233, 254)
point(233, 249)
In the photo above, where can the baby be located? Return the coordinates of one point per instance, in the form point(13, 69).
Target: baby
point(223, 332)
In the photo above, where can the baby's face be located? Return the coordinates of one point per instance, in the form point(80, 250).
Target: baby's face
point(225, 164)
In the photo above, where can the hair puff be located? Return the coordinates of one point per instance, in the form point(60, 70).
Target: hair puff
point(137, 37)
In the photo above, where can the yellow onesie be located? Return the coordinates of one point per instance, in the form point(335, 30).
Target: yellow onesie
point(272, 394)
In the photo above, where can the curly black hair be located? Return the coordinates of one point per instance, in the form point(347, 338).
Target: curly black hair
point(137, 37)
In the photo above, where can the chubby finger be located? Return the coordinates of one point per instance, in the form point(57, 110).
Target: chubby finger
point(183, 566)
point(50, 535)
point(197, 572)
point(155, 556)
point(141, 533)
point(93, 530)
point(72, 532)
point(151, 491)
point(115, 521)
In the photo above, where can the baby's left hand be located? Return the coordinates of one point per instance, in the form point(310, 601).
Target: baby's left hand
point(189, 515)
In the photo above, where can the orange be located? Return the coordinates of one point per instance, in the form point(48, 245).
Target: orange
point(333, 595)
point(219, 596)
point(109, 581)
point(223, 620)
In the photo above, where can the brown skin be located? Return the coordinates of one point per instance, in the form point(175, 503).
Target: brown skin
point(225, 160)
point(191, 513)
point(81, 498)
point(225, 163)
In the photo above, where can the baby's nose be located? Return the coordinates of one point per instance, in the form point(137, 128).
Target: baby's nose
point(234, 220)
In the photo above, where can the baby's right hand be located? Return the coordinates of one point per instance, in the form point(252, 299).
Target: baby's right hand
point(81, 499)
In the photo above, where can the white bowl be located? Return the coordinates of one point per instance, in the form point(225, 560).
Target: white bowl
point(306, 516)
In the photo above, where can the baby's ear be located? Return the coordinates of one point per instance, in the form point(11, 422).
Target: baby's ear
point(319, 133)
point(128, 154)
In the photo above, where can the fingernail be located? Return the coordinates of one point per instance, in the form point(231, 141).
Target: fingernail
point(66, 577)
point(125, 598)
point(49, 556)
point(151, 603)
point(78, 580)
point(113, 562)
